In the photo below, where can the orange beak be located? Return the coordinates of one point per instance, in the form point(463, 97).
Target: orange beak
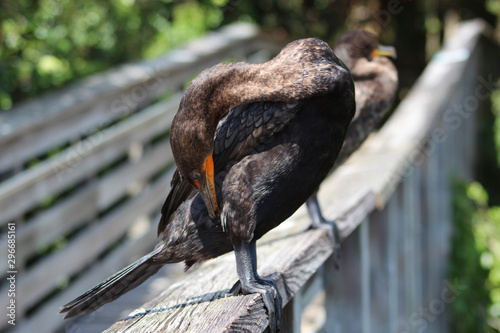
point(206, 187)
point(384, 51)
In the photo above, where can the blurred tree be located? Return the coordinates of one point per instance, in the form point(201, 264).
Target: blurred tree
point(469, 309)
point(48, 43)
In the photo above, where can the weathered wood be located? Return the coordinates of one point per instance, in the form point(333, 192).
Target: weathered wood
point(313, 315)
point(417, 181)
point(291, 314)
point(379, 272)
point(431, 225)
point(343, 289)
point(313, 286)
point(392, 265)
point(76, 163)
point(42, 278)
point(411, 235)
point(84, 205)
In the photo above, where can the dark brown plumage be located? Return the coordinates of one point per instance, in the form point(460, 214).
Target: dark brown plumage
point(376, 83)
point(375, 80)
point(242, 172)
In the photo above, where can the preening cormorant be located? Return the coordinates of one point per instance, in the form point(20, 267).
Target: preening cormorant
point(252, 142)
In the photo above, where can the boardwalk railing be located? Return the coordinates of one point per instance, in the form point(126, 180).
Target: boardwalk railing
point(87, 168)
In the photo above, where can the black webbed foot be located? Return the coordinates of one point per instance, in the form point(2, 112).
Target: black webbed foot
point(250, 282)
point(319, 222)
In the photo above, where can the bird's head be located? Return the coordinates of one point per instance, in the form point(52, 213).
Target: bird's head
point(192, 147)
point(360, 44)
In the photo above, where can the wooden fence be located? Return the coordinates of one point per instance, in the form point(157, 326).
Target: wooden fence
point(86, 169)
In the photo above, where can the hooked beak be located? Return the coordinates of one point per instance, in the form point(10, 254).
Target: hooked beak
point(384, 51)
point(206, 187)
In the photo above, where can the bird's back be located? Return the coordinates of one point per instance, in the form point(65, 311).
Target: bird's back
point(266, 176)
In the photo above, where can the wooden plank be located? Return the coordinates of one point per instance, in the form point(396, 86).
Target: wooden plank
point(41, 279)
point(468, 141)
point(343, 289)
point(22, 191)
point(409, 252)
point(34, 127)
point(313, 315)
point(401, 243)
point(379, 244)
point(364, 243)
point(432, 236)
point(292, 314)
point(417, 236)
point(392, 262)
point(445, 220)
point(84, 205)
point(411, 207)
point(313, 287)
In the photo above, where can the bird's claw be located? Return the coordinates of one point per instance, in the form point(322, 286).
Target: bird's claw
point(270, 295)
point(235, 289)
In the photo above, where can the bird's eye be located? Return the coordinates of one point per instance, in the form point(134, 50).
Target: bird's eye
point(196, 175)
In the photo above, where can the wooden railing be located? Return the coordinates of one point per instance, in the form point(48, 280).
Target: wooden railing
point(86, 170)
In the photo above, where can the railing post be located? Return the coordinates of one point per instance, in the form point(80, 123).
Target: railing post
point(412, 218)
point(364, 243)
point(393, 258)
point(343, 288)
point(291, 314)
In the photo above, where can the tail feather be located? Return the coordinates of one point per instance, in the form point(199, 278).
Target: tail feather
point(114, 286)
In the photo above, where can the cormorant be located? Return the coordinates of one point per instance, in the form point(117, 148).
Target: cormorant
point(252, 142)
point(376, 83)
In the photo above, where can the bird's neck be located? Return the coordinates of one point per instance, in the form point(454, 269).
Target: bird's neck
point(227, 85)
point(218, 89)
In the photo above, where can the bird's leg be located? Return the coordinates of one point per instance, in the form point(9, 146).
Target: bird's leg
point(319, 222)
point(236, 288)
point(250, 282)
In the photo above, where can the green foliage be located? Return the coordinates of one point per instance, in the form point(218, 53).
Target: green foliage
point(48, 43)
point(469, 310)
point(475, 260)
point(486, 230)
